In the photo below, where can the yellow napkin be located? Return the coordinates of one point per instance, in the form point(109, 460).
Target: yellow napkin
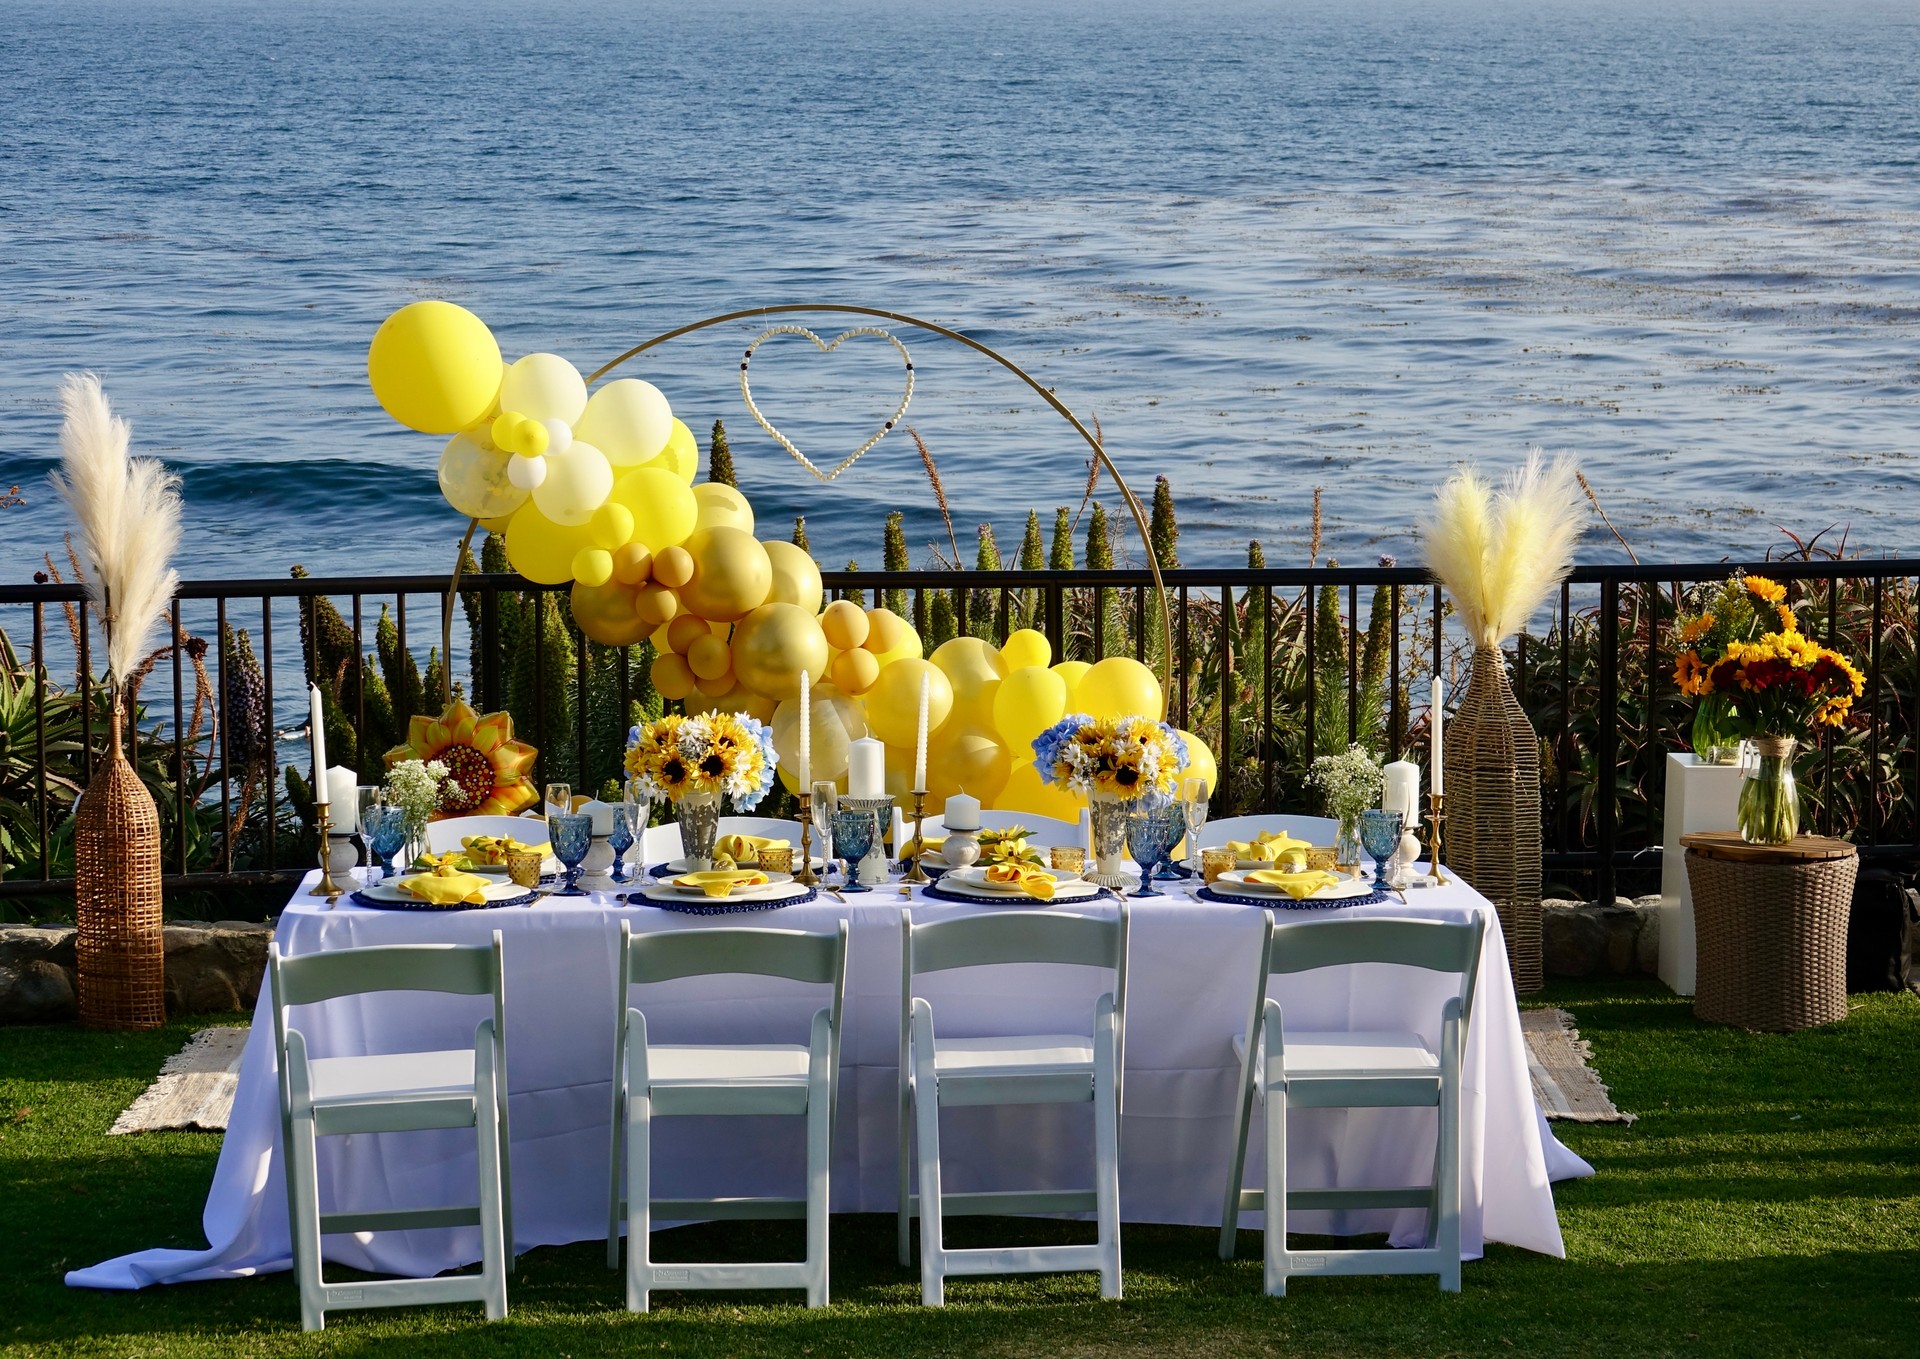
point(445, 886)
point(1299, 886)
point(494, 849)
point(1269, 846)
point(1035, 882)
point(745, 848)
point(720, 881)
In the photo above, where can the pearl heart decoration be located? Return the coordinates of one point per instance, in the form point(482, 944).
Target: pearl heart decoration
point(826, 347)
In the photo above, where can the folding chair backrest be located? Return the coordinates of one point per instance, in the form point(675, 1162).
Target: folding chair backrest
point(1436, 945)
point(443, 836)
point(1024, 937)
point(1045, 830)
point(773, 828)
point(794, 954)
point(1320, 830)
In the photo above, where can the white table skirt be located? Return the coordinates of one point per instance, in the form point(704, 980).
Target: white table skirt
point(1190, 991)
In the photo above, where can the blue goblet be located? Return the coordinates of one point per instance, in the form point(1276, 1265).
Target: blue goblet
point(570, 834)
point(1380, 836)
point(386, 830)
point(1149, 837)
point(620, 841)
point(853, 837)
point(1176, 832)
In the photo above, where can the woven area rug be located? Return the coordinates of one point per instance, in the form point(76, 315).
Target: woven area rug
point(1566, 1087)
point(195, 1087)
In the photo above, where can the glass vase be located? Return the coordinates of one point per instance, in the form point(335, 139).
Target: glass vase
point(1346, 845)
point(699, 815)
point(1769, 807)
point(1107, 817)
point(1715, 739)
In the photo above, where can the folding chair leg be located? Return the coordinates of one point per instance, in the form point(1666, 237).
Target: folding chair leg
point(1106, 1150)
point(933, 1265)
point(303, 1204)
point(493, 1247)
point(1237, 1164)
point(1275, 1242)
point(903, 1215)
point(639, 1169)
point(616, 1160)
point(1446, 1184)
point(819, 1158)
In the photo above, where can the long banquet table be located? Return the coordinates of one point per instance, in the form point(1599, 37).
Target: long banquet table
point(1190, 987)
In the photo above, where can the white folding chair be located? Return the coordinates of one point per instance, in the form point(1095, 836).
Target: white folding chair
point(663, 844)
point(443, 836)
point(1351, 1070)
point(657, 1080)
point(1315, 830)
point(1020, 1069)
point(1042, 830)
point(395, 1092)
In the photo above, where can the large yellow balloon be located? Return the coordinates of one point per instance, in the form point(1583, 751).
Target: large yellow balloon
point(836, 721)
point(663, 508)
point(731, 577)
point(1072, 672)
point(1027, 647)
point(628, 420)
point(893, 704)
point(542, 550)
point(605, 613)
point(1119, 686)
point(1030, 700)
point(473, 478)
point(544, 387)
point(773, 644)
point(1200, 762)
point(578, 482)
point(976, 669)
point(796, 576)
point(681, 456)
point(722, 507)
point(1025, 792)
point(434, 367)
point(970, 760)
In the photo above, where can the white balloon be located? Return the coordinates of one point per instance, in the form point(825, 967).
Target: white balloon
point(577, 483)
point(544, 386)
point(526, 473)
point(559, 436)
point(628, 420)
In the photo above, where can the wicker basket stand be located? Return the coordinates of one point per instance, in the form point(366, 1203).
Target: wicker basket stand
point(1770, 928)
point(120, 945)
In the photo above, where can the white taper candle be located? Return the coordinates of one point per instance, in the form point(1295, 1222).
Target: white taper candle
point(1436, 772)
point(318, 725)
point(806, 730)
point(920, 737)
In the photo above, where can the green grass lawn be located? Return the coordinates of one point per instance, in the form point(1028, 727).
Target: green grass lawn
point(1766, 1203)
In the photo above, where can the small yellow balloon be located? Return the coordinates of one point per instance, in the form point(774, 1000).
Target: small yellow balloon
point(543, 387)
point(845, 624)
point(655, 605)
point(893, 703)
point(542, 550)
point(434, 367)
point(709, 659)
point(1027, 647)
point(605, 614)
point(672, 677)
point(1025, 791)
point(1072, 672)
point(796, 576)
point(720, 685)
point(732, 575)
point(721, 506)
point(681, 456)
point(663, 508)
point(854, 671)
point(532, 437)
point(1029, 700)
point(611, 526)
point(685, 630)
point(632, 563)
point(672, 566)
point(593, 566)
point(773, 644)
point(473, 478)
point(891, 638)
point(1200, 762)
point(628, 420)
point(1119, 686)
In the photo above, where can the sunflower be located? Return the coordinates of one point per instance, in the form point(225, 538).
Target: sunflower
point(1691, 674)
point(1761, 588)
point(486, 767)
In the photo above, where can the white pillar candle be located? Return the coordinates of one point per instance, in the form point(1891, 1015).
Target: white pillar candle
point(317, 723)
point(806, 731)
point(341, 786)
point(866, 768)
point(601, 815)
point(920, 739)
point(963, 813)
point(1436, 772)
point(1400, 790)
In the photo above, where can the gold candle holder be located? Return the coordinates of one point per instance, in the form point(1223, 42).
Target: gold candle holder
point(915, 873)
point(1436, 813)
point(326, 887)
point(803, 871)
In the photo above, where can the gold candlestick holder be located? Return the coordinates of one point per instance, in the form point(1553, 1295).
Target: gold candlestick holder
point(803, 871)
point(326, 887)
point(915, 873)
point(1436, 813)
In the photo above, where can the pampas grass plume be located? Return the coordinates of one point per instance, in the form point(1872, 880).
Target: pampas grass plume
point(1501, 553)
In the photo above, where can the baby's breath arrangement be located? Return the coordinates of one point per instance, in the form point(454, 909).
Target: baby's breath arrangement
point(414, 786)
point(1349, 782)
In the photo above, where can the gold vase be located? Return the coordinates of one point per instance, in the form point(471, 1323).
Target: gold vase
point(120, 946)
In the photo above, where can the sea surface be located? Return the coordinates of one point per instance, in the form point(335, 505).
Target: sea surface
point(1270, 246)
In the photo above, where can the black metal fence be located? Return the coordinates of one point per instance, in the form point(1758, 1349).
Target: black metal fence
point(1269, 667)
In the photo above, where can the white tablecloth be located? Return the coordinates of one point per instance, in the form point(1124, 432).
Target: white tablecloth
point(1190, 990)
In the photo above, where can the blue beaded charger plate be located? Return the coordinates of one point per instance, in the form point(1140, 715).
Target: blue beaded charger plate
point(795, 896)
point(1285, 903)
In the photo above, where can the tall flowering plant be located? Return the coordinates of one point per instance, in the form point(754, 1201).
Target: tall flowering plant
point(722, 754)
point(1123, 757)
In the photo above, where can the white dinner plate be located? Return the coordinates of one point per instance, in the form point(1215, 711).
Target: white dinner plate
point(973, 882)
point(774, 886)
point(1236, 879)
point(390, 891)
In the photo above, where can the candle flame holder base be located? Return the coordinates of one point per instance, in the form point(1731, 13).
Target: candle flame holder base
point(915, 873)
point(803, 871)
point(326, 887)
point(1436, 813)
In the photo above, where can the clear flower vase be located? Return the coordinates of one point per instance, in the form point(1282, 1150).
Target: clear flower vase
point(1769, 808)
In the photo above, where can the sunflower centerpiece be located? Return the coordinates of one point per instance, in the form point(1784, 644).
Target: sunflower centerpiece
point(696, 762)
point(1119, 764)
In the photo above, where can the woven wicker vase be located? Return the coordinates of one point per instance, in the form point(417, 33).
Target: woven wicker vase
point(1493, 809)
point(121, 949)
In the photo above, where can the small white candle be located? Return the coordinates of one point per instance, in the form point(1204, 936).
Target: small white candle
point(1436, 769)
point(341, 796)
point(920, 738)
point(866, 768)
point(318, 724)
point(806, 730)
point(1400, 790)
point(963, 813)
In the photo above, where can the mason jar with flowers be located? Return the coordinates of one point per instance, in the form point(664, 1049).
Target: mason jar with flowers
point(1120, 764)
point(1747, 649)
point(696, 762)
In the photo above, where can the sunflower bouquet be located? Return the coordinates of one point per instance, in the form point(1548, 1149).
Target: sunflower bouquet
point(712, 754)
point(1125, 758)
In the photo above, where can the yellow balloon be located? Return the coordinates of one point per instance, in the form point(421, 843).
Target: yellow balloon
point(473, 478)
point(709, 658)
point(854, 671)
point(891, 638)
point(975, 667)
point(577, 483)
point(663, 508)
point(1200, 762)
point(684, 631)
point(1027, 647)
point(497, 525)
point(836, 721)
point(655, 605)
point(773, 644)
point(845, 624)
point(672, 566)
point(970, 760)
point(531, 437)
point(611, 526)
point(542, 550)
point(593, 566)
point(1119, 686)
point(731, 577)
point(1026, 792)
point(1072, 672)
point(722, 507)
point(543, 387)
point(1029, 700)
point(434, 367)
point(628, 420)
point(672, 676)
point(720, 685)
point(681, 456)
point(796, 576)
point(605, 613)
point(893, 703)
point(632, 563)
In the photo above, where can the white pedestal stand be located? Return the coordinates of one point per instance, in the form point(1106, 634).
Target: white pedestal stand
point(1700, 797)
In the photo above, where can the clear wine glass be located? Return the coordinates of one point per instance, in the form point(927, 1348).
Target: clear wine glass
point(368, 796)
point(1193, 796)
point(637, 803)
point(559, 798)
point(826, 801)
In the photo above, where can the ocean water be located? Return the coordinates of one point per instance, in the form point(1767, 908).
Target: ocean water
point(1270, 246)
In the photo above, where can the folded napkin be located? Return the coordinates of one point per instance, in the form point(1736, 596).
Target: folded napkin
point(742, 848)
point(495, 849)
point(1299, 886)
point(445, 886)
point(720, 881)
point(1268, 846)
point(1035, 882)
